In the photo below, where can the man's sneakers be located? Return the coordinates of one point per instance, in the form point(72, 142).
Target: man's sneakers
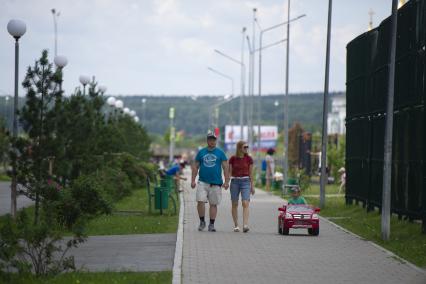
point(211, 228)
point(236, 229)
point(202, 226)
point(245, 229)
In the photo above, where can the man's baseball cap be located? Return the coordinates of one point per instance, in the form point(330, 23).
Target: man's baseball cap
point(211, 135)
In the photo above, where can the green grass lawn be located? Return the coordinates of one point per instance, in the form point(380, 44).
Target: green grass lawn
point(96, 278)
point(406, 239)
point(139, 222)
point(4, 177)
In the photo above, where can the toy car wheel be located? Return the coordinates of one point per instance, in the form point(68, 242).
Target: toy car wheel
point(315, 232)
point(280, 230)
point(310, 231)
point(285, 230)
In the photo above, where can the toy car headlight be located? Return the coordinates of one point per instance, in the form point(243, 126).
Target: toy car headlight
point(288, 216)
point(315, 216)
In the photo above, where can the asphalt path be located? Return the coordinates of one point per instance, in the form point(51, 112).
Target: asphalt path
point(22, 201)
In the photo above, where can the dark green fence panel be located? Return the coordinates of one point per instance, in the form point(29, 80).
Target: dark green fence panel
point(415, 152)
point(408, 29)
point(377, 137)
point(360, 54)
point(356, 91)
point(421, 23)
point(383, 44)
point(409, 74)
point(357, 138)
point(357, 179)
point(367, 86)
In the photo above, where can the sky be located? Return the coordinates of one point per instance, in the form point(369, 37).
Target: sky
point(163, 47)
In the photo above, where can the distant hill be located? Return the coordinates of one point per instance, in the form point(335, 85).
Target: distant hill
point(192, 116)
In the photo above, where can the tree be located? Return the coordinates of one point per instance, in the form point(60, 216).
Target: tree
point(294, 135)
point(30, 152)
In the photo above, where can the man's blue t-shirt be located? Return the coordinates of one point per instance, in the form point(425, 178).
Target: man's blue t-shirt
point(211, 165)
point(173, 170)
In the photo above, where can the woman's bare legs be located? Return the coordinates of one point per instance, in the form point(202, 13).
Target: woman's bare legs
point(234, 212)
point(245, 212)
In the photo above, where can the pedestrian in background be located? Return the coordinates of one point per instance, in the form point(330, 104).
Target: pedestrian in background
point(270, 168)
point(209, 163)
point(241, 172)
point(342, 172)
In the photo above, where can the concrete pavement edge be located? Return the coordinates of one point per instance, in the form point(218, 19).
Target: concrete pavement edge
point(388, 252)
point(177, 263)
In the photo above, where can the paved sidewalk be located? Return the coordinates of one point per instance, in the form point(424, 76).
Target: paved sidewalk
point(146, 252)
point(21, 201)
point(264, 256)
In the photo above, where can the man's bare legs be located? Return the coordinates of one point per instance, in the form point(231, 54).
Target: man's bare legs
point(201, 208)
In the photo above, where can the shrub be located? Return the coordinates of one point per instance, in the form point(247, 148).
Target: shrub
point(26, 247)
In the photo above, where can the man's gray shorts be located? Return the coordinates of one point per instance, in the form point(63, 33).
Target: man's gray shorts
point(210, 193)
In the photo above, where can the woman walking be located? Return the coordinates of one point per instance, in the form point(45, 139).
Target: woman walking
point(240, 169)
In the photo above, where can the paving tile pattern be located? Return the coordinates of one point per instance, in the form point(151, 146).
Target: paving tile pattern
point(264, 256)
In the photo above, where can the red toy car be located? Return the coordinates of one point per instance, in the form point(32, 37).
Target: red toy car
point(298, 216)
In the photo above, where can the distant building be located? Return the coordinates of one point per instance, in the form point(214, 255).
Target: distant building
point(337, 116)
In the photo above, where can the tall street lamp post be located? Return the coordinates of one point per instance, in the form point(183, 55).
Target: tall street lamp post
point(325, 112)
point(262, 32)
point(111, 103)
point(102, 89)
point(55, 15)
point(287, 67)
point(16, 28)
point(216, 110)
point(224, 76)
point(276, 104)
point(172, 134)
point(60, 62)
point(7, 112)
point(243, 71)
point(387, 164)
point(84, 80)
point(143, 111)
point(118, 106)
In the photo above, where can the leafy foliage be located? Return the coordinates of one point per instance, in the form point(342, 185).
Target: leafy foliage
point(25, 247)
point(336, 156)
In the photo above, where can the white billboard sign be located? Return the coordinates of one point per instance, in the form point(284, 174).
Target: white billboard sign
point(268, 138)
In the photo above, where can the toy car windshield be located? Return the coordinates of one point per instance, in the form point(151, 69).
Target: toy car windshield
point(299, 208)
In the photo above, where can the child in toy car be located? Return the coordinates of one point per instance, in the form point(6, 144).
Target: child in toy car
point(296, 198)
point(298, 215)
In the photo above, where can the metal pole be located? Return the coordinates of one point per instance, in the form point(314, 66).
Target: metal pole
point(55, 24)
point(285, 168)
point(259, 136)
point(15, 132)
point(325, 112)
point(387, 165)
point(243, 71)
point(252, 55)
point(172, 134)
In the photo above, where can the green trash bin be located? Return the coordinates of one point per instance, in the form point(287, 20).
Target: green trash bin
point(291, 181)
point(161, 196)
point(278, 184)
point(168, 182)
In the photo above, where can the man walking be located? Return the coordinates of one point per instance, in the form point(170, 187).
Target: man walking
point(209, 163)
